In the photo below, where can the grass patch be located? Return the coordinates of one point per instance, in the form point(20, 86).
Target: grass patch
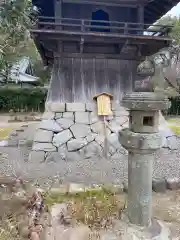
point(177, 121)
point(91, 207)
point(5, 132)
point(175, 129)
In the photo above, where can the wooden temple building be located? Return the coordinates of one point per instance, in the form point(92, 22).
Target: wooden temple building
point(94, 46)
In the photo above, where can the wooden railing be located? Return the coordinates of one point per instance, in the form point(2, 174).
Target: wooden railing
point(89, 26)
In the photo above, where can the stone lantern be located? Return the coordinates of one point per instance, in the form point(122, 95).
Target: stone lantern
point(141, 140)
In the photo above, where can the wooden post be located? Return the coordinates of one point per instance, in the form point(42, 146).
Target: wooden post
point(141, 16)
point(104, 110)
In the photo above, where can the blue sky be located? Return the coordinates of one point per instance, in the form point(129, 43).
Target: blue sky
point(175, 11)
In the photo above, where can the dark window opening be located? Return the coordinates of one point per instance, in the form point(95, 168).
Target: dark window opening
point(148, 121)
point(100, 18)
point(130, 119)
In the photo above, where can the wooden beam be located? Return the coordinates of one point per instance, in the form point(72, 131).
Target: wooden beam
point(132, 4)
point(98, 56)
point(78, 34)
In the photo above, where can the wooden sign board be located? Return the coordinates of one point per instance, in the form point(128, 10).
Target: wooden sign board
point(104, 104)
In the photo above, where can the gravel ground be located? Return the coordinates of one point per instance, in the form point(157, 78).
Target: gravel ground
point(14, 161)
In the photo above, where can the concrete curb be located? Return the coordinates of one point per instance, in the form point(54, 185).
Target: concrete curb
point(159, 185)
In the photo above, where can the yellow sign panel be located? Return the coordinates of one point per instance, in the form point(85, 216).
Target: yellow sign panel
point(104, 104)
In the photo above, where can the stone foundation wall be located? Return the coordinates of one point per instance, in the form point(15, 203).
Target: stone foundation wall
point(74, 130)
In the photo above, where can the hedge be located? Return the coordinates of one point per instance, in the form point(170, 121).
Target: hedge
point(33, 99)
point(22, 99)
point(175, 106)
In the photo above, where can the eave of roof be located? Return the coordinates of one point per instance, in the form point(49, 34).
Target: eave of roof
point(154, 10)
point(157, 8)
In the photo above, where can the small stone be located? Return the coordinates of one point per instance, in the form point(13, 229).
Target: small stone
point(47, 147)
point(91, 107)
point(115, 189)
point(173, 183)
point(25, 125)
point(60, 214)
point(50, 125)
point(14, 134)
point(159, 185)
point(65, 123)
point(10, 142)
point(69, 115)
point(75, 107)
point(62, 137)
point(20, 130)
point(58, 115)
point(22, 142)
point(48, 116)
point(36, 156)
point(76, 188)
point(80, 130)
point(43, 136)
point(76, 144)
point(82, 117)
point(62, 189)
point(55, 107)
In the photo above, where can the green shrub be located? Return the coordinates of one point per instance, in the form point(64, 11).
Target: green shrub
point(22, 99)
point(175, 106)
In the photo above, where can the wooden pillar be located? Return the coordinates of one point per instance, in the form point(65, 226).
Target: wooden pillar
point(58, 8)
point(58, 16)
point(141, 15)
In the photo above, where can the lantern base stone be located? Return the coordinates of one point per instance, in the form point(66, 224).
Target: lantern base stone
point(156, 231)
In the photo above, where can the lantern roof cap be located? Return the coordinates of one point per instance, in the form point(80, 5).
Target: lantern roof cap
point(103, 93)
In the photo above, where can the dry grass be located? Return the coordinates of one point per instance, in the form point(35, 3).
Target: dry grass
point(5, 132)
point(93, 208)
point(8, 229)
point(9, 213)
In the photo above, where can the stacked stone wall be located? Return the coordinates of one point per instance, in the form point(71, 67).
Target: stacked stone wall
point(74, 130)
